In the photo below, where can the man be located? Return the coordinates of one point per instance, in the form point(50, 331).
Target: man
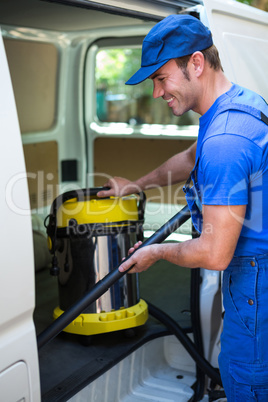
point(229, 170)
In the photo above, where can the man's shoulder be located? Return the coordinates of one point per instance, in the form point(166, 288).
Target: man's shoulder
point(240, 115)
point(240, 101)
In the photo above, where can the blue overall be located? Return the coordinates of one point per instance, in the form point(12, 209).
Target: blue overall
point(243, 360)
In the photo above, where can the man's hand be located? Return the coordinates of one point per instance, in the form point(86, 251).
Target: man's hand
point(119, 187)
point(142, 259)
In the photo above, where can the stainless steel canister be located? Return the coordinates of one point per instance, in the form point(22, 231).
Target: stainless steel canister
point(89, 237)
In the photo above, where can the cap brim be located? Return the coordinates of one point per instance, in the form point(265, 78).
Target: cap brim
point(144, 72)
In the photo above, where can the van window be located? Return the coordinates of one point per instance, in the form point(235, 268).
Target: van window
point(117, 102)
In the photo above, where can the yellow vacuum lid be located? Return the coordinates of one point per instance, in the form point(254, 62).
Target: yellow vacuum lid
point(98, 210)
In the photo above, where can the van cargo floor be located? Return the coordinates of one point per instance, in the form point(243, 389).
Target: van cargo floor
point(145, 375)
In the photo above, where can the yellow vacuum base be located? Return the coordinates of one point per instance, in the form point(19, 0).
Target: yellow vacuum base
point(91, 324)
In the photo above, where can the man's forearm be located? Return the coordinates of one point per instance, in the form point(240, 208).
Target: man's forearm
point(189, 254)
point(213, 250)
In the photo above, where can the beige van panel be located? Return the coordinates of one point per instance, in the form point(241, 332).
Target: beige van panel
point(33, 69)
point(42, 169)
point(132, 158)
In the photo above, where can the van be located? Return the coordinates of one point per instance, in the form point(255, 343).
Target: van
point(68, 123)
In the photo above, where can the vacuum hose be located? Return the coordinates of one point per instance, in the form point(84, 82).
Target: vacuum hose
point(104, 284)
point(186, 342)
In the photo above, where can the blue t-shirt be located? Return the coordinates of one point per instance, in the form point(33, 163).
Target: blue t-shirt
point(232, 149)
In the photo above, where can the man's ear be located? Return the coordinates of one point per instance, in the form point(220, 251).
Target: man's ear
point(198, 61)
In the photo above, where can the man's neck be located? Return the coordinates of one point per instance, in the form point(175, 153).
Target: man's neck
point(214, 85)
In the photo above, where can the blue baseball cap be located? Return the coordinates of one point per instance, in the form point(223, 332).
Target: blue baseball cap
point(174, 36)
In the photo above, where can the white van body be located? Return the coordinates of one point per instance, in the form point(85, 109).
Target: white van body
point(154, 370)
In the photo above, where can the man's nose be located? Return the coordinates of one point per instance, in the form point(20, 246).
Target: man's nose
point(157, 91)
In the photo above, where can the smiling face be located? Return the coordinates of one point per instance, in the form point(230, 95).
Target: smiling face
point(177, 89)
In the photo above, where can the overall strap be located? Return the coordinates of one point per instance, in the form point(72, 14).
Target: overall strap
point(193, 172)
point(264, 118)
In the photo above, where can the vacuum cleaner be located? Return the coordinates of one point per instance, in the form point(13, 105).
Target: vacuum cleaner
point(88, 237)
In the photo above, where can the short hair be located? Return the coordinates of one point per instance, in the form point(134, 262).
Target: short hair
point(210, 54)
